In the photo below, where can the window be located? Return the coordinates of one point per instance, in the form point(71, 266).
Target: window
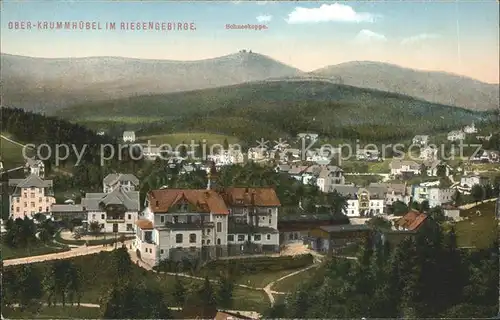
point(203, 242)
point(256, 237)
point(241, 237)
point(93, 216)
point(17, 209)
point(32, 204)
point(189, 219)
point(25, 204)
point(40, 199)
point(270, 211)
point(39, 209)
point(268, 237)
point(176, 219)
point(162, 219)
point(17, 200)
point(178, 238)
point(219, 226)
point(290, 236)
point(129, 227)
point(230, 237)
point(270, 221)
point(161, 251)
point(102, 216)
point(192, 238)
point(208, 242)
point(218, 241)
point(208, 231)
point(129, 217)
point(32, 195)
point(47, 209)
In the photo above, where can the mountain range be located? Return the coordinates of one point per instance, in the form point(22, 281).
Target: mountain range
point(48, 85)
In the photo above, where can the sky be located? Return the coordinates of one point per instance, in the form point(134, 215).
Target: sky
point(459, 37)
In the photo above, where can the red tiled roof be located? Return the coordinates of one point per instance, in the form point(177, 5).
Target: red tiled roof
point(144, 224)
point(206, 201)
point(262, 197)
point(412, 220)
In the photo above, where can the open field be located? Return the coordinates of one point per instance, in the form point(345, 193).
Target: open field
point(53, 312)
point(261, 279)
point(477, 231)
point(33, 250)
point(289, 284)
point(188, 137)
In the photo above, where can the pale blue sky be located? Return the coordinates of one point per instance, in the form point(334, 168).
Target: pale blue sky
point(455, 37)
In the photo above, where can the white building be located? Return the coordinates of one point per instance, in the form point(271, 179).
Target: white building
point(151, 153)
point(363, 202)
point(308, 136)
point(471, 180)
point(227, 158)
point(31, 195)
point(394, 192)
point(34, 166)
point(451, 212)
point(197, 223)
point(420, 140)
point(128, 182)
point(399, 167)
point(470, 129)
point(435, 195)
point(428, 153)
point(129, 136)
point(258, 154)
point(116, 211)
point(367, 155)
point(456, 135)
point(433, 168)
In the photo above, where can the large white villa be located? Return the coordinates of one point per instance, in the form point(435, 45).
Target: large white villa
point(192, 223)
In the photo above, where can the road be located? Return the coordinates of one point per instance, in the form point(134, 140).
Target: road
point(473, 204)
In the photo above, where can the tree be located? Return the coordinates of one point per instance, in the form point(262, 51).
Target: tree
point(424, 206)
point(121, 264)
point(225, 144)
point(94, 227)
point(477, 193)
point(134, 301)
point(379, 223)
point(179, 291)
point(399, 208)
point(225, 292)
point(441, 170)
point(457, 198)
point(29, 289)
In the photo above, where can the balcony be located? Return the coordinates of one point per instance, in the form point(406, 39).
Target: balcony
point(196, 225)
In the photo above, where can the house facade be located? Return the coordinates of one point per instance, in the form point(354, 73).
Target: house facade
point(253, 218)
point(34, 166)
point(456, 135)
point(116, 211)
point(182, 223)
point(30, 196)
point(435, 195)
point(400, 167)
point(363, 202)
point(127, 182)
point(421, 140)
point(471, 180)
point(202, 223)
point(129, 136)
point(470, 129)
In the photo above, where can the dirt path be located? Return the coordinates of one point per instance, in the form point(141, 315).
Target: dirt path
point(74, 252)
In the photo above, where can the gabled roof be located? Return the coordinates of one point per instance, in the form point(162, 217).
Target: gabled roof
point(130, 200)
point(113, 178)
point(412, 220)
point(262, 197)
point(32, 180)
point(205, 201)
point(144, 224)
